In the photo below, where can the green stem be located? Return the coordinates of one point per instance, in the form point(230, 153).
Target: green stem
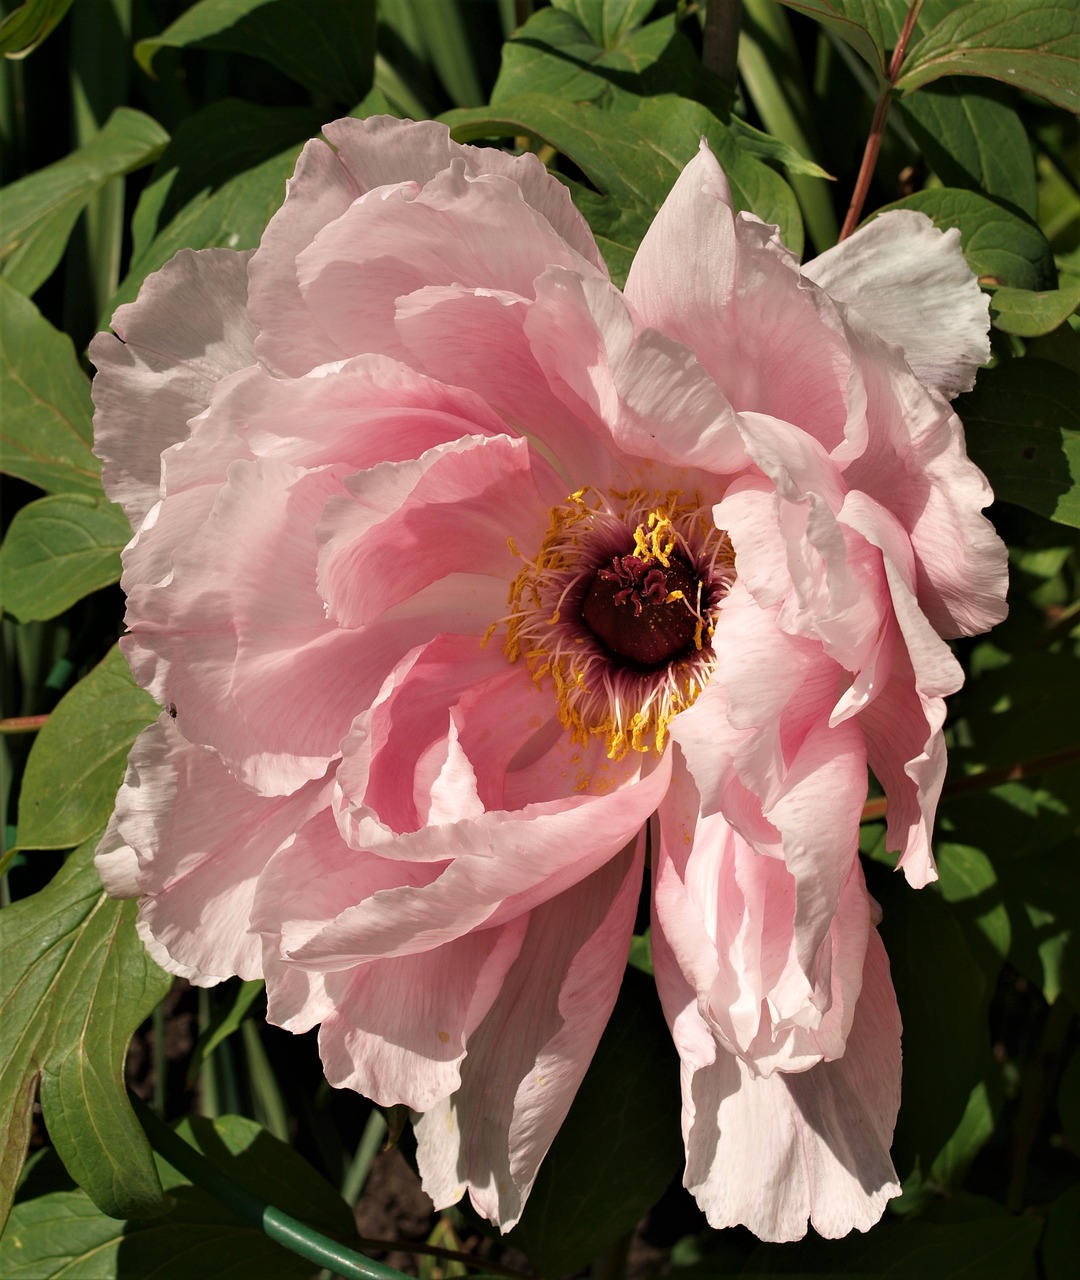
point(370, 1141)
point(1039, 1074)
point(611, 1265)
point(280, 1226)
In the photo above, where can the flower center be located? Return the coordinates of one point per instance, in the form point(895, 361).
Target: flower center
point(616, 612)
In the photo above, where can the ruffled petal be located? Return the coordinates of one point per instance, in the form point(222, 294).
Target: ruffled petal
point(187, 330)
point(190, 841)
point(527, 1058)
point(405, 524)
point(725, 287)
point(776, 1152)
point(364, 156)
point(478, 339)
point(911, 283)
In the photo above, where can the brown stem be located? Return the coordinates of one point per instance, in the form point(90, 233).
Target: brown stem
point(720, 48)
point(875, 809)
point(877, 125)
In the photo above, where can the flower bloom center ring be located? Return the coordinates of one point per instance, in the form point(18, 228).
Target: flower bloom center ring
point(617, 609)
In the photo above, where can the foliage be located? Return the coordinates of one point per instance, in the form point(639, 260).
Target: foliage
point(176, 125)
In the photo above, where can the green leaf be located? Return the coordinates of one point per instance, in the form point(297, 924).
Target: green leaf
point(24, 28)
point(607, 21)
point(763, 145)
point(1030, 313)
point(1001, 1246)
point(47, 419)
point(76, 764)
point(228, 1020)
point(968, 881)
point(328, 46)
point(555, 54)
point(38, 212)
point(1032, 44)
point(771, 73)
point(1068, 1101)
point(218, 183)
point(62, 1234)
point(618, 1148)
point(75, 982)
point(856, 22)
point(974, 1131)
point(972, 138)
point(1002, 247)
point(1044, 893)
point(1023, 429)
point(633, 159)
point(59, 549)
point(1061, 1243)
point(942, 991)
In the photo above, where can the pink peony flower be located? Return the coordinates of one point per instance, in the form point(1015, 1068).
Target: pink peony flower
point(459, 569)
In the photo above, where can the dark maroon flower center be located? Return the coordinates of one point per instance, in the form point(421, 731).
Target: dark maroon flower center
point(643, 610)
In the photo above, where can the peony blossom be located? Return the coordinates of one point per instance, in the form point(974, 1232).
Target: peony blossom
point(460, 570)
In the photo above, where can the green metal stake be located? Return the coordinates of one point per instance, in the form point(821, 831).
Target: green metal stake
point(252, 1209)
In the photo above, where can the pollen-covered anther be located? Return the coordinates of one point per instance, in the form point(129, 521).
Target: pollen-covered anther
point(615, 612)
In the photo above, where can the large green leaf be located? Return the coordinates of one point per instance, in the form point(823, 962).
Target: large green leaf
point(75, 982)
point(972, 138)
point(62, 1234)
point(999, 1246)
point(1002, 247)
point(607, 21)
point(76, 764)
point(1032, 44)
point(619, 1146)
point(1023, 430)
point(47, 420)
point(59, 549)
point(38, 212)
point(326, 45)
point(556, 53)
point(857, 22)
point(942, 992)
point(24, 28)
point(1061, 1242)
point(219, 181)
point(633, 158)
point(1030, 313)
point(969, 883)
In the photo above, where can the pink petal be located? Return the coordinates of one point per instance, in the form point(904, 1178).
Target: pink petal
point(477, 339)
point(530, 1053)
point(400, 1028)
point(191, 842)
point(913, 286)
point(383, 150)
point(915, 465)
point(405, 524)
point(455, 229)
point(215, 643)
point(497, 866)
point(366, 155)
point(355, 414)
point(725, 287)
point(771, 1152)
point(187, 329)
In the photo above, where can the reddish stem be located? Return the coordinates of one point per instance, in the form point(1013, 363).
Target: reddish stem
point(875, 809)
point(22, 724)
point(877, 126)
